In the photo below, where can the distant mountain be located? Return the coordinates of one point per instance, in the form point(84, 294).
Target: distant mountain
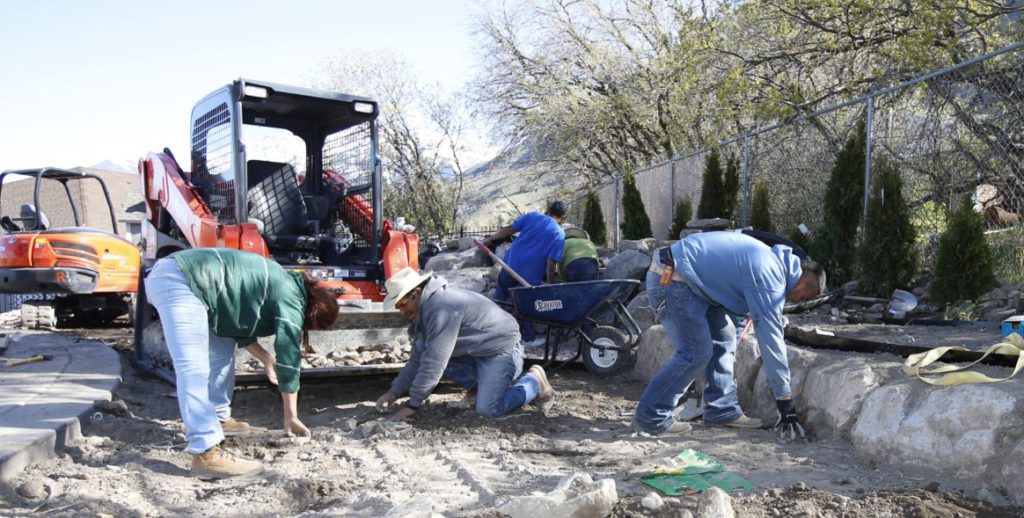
point(121, 166)
point(501, 189)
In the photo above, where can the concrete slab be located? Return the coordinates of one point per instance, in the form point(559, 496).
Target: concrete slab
point(43, 402)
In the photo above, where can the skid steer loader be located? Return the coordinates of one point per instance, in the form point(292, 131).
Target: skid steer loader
point(87, 274)
point(286, 172)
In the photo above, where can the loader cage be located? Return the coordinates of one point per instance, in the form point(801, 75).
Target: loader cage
point(319, 205)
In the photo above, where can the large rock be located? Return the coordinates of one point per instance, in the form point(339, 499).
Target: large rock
point(972, 433)
point(462, 243)
point(472, 279)
point(644, 245)
point(469, 258)
point(958, 430)
point(594, 500)
point(641, 311)
point(502, 249)
point(761, 402)
point(652, 352)
point(834, 393)
point(630, 264)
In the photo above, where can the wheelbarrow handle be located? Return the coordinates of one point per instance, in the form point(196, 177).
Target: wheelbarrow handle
point(507, 268)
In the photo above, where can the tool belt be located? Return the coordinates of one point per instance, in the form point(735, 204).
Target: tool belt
point(664, 256)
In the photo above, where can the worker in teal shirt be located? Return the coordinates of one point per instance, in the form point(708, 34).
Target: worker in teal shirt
point(533, 255)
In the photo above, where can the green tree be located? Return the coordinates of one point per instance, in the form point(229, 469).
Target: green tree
point(593, 220)
point(635, 223)
point(760, 210)
point(800, 239)
point(964, 264)
point(888, 257)
point(682, 214)
point(602, 82)
point(423, 133)
point(835, 242)
point(730, 187)
point(712, 189)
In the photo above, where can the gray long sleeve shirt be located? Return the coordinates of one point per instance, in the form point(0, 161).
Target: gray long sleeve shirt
point(452, 322)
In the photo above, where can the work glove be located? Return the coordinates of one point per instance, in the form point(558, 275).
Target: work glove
point(788, 424)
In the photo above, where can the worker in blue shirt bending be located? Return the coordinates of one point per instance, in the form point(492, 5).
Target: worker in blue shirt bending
point(703, 288)
point(533, 255)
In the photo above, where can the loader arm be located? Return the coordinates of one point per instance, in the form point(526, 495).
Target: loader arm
point(168, 193)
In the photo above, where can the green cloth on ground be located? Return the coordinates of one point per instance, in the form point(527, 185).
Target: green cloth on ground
point(696, 472)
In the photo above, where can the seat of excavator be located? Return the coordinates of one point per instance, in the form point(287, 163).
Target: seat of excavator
point(276, 200)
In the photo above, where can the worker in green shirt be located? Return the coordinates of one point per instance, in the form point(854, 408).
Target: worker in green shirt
point(212, 300)
point(579, 257)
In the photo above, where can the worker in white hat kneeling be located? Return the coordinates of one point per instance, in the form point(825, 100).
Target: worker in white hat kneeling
point(464, 336)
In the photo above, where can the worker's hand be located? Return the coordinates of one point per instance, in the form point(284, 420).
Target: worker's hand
point(402, 414)
point(271, 373)
point(788, 424)
point(384, 402)
point(293, 427)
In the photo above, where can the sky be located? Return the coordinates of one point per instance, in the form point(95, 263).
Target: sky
point(83, 82)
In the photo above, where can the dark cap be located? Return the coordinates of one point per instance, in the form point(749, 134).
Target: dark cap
point(556, 209)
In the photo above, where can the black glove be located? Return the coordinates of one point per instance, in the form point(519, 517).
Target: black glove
point(788, 423)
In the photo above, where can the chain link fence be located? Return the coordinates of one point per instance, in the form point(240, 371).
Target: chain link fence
point(952, 133)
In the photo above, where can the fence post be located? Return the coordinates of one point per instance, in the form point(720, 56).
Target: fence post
point(746, 178)
point(671, 191)
point(617, 210)
point(867, 164)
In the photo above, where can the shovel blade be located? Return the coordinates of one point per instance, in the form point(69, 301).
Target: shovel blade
point(901, 303)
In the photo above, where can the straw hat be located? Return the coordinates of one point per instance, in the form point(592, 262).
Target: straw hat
point(401, 283)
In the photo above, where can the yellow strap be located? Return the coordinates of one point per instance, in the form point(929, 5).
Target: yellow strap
point(946, 375)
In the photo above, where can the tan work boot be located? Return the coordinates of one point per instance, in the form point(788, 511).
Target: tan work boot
point(229, 427)
point(676, 428)
point(740, 422)
point(543, 400)
point(217, 463)
point(234, 427)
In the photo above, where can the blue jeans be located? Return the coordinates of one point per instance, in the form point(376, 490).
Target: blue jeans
point(583, 269)
point(704, 337)
point(491, 376)
point(204, 363)
point(501, 293)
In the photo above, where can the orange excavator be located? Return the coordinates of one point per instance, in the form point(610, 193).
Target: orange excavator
point(286, 172)
point(84, 273)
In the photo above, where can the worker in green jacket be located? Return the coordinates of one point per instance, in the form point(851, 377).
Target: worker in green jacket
point(212, 299)
point(579, 257)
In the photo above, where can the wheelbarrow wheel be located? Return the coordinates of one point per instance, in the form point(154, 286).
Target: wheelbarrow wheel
point(607, 362)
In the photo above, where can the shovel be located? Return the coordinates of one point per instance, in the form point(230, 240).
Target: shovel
point(507, 268)
point(900, 303)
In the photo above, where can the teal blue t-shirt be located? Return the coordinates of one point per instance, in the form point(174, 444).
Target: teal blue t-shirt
point(540, 238)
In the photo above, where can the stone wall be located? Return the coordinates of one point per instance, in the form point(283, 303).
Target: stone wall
point(971, 433)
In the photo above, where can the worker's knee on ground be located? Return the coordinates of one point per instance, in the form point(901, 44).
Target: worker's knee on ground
point(491, 410)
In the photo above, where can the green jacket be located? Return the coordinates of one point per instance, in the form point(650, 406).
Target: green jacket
point(575, 248)
point(247, 296)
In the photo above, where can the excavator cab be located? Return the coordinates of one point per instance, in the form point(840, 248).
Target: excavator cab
point(74, 267)
point(288, 172)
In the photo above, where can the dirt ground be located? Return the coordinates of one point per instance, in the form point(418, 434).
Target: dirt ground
point(131, 461)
